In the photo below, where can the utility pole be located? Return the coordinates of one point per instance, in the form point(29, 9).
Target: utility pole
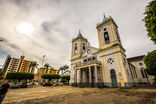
point(43, 60)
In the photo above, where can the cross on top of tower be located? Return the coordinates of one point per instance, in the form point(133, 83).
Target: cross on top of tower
point(104, 17)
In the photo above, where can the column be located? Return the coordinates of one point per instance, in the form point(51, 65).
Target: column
point(79, 77)
point(96, 75)
point(101, 75)
point(90, 76)
point(75, 79)
point(84, 78)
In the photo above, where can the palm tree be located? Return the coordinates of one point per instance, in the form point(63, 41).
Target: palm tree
point(33, 64)
point(46, 66)
point(63, 68)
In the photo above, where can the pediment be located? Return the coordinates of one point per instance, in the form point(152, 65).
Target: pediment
point(90, 51)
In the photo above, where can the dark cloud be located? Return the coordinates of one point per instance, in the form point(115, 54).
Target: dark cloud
point(48, 26)
point(56, 22)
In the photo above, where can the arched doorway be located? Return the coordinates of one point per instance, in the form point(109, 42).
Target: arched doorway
point(113, 78)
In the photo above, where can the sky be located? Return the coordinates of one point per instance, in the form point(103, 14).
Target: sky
point(52, 24)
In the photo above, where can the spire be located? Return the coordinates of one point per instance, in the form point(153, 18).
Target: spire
point(79, 35)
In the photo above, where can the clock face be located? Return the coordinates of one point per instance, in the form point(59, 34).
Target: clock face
point(89, 51)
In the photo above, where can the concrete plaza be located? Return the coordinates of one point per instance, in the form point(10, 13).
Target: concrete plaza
point(73, 95)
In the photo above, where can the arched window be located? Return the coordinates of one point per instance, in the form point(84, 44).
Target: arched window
point(145, 74)
point(85, 60)
point(142, 72)
point(89, 59)
point(104, 29)
point(84, 47)
point(93, 58)
point(75, 48)
point(106, 37)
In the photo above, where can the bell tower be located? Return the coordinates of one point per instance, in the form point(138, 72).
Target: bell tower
point(108, 33)
point(79, 45)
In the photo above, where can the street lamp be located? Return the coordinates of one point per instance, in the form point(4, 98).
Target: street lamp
point(43, 60)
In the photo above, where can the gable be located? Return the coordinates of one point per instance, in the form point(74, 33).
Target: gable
point(90, 51)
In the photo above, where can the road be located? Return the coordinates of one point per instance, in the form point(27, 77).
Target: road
point(74, 95)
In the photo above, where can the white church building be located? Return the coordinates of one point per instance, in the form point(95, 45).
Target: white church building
point(107, 65)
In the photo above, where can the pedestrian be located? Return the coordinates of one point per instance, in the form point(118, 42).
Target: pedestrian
point(3, 90)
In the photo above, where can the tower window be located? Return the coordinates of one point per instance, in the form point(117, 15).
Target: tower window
point(83, 47)
point(104, 29)
point(106, 37)
point(75, 48)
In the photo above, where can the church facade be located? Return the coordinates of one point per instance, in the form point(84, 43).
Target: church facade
point(106, 66)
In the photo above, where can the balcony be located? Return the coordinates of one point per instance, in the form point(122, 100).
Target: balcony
point(93, 62)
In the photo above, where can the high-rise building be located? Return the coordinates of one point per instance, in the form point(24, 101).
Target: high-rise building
point(6, 64)
point(12, 64)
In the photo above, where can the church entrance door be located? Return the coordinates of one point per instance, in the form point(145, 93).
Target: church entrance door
point(93, 78)
point(113, 78)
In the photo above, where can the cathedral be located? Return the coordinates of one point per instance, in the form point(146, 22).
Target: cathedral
point(106, 66)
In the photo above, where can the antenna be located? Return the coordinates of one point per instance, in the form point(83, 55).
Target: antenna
point(23, 53)
point(43, 60)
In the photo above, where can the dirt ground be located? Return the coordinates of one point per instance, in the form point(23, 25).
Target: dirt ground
point(74, 95)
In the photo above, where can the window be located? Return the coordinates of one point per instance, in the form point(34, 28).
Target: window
point(106, 37)
point(83, 47)
point(130, 67)
point(140, 64)
point(75, 48)
point(145, 74)
point(93, 58)
point(85, 60)
point(142, 73)
point(89, 59)
point(104, 29)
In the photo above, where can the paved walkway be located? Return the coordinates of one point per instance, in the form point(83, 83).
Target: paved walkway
point(73, 95)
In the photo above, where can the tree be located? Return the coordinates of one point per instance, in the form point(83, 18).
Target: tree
point(63, 68)
point(33, 65)
point(19, 76)
point(46, 66)
point(150, 61)
point(50, 76)
point(47, 76)
point(65, 78)
point(150, 20)
point(55, 76)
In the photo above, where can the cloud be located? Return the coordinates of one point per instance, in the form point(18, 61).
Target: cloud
point(56, 22)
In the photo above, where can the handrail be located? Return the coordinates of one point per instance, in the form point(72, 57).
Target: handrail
point(88, 63)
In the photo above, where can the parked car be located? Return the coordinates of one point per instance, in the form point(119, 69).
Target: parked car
point(36, 83)
point(29, 83)
point(23, 85)
point(47, 84)
point(14, 85)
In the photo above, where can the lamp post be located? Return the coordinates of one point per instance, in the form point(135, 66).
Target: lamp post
point(43, 60)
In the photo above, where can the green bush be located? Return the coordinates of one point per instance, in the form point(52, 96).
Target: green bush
point(50, 76)
point(65, 78)
point(150, 62)
point(19, 76)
